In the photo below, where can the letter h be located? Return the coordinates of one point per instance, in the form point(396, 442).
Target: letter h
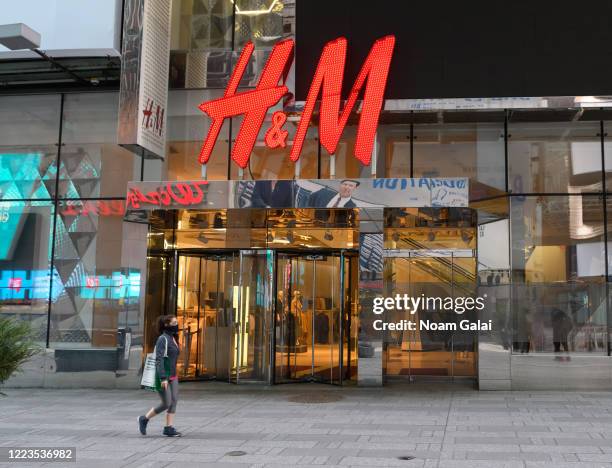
point(252, 104)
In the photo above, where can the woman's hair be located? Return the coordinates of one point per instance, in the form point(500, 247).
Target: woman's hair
point(163, 321)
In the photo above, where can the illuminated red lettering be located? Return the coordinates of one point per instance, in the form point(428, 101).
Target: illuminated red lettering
point(328, 76)
point(253, 104)
point(327, 83)
point(276, 136)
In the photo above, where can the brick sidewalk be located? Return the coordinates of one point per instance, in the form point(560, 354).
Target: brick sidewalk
point(439, 425)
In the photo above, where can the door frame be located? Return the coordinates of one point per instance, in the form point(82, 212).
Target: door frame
point(217, 254)
point(341, 254)
point(449, 253)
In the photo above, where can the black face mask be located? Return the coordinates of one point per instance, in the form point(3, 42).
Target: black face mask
point(172, 329)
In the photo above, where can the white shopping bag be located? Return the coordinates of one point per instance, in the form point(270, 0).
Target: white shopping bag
point(148, 373)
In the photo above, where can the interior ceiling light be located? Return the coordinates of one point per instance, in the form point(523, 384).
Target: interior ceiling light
point(263, 11)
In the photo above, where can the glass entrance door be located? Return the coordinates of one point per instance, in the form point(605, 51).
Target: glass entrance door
point(436, 276)
point(310, 324)
point(206, 314)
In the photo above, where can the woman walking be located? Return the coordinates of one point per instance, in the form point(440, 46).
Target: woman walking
point(166, 356)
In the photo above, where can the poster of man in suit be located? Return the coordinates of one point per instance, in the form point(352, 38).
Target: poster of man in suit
point(330, 198)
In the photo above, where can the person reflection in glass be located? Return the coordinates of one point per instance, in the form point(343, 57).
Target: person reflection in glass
point(562, 326)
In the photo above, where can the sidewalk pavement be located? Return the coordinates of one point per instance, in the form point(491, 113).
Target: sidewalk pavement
point(433, 425)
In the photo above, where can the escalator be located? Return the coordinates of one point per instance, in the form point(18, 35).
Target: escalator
point(431, 273)
point(446, 269)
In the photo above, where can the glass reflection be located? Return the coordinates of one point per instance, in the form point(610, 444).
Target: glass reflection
point(553, 157)
point(309, 319)
point(467, 150)
point(558, 275)
point(206, 312)
point(433, 256)
point(25, 246)
point(258, 228)
point(95, 287)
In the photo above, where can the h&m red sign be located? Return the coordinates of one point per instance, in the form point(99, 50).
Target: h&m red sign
point(327, 83)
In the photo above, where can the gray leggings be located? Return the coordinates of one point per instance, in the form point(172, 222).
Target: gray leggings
point(169, 398)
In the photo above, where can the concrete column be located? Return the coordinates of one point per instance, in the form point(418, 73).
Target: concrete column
point(370, 362)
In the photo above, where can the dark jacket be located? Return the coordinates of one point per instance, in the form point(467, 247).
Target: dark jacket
point(321, 198)
point(264, 196)
point(173, 353)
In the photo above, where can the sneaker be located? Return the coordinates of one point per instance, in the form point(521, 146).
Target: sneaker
point(170, 431)
point(142, 424)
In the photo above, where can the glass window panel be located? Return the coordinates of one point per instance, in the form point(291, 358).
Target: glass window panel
point(27, 172)
point(394, 147)
point(25, 246)
point(201, 43)
point(608, 155)
point(186, 131)
point(609, 232)
point(201, 24)
point(92, 164)
point(33, 119)
point(463, 150)
point(553, 157)
point(29, 133)
point(255, 314)
point(95, 282)
point(259, 21)
point(558, 274)
point(344, 161)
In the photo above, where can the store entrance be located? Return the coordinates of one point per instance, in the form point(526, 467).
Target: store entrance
point(313, 317)
point(431, 353)
point(205, 312)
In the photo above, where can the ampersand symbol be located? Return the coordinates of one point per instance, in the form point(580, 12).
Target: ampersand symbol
point(275, 136)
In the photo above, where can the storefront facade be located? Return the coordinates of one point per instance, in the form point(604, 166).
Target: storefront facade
point(273, 268)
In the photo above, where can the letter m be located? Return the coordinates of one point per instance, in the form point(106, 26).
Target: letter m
point(328, 82)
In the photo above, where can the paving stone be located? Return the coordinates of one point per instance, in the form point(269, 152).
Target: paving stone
point(441, 426)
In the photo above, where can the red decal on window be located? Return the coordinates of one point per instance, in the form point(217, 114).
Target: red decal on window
point(188, 194)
